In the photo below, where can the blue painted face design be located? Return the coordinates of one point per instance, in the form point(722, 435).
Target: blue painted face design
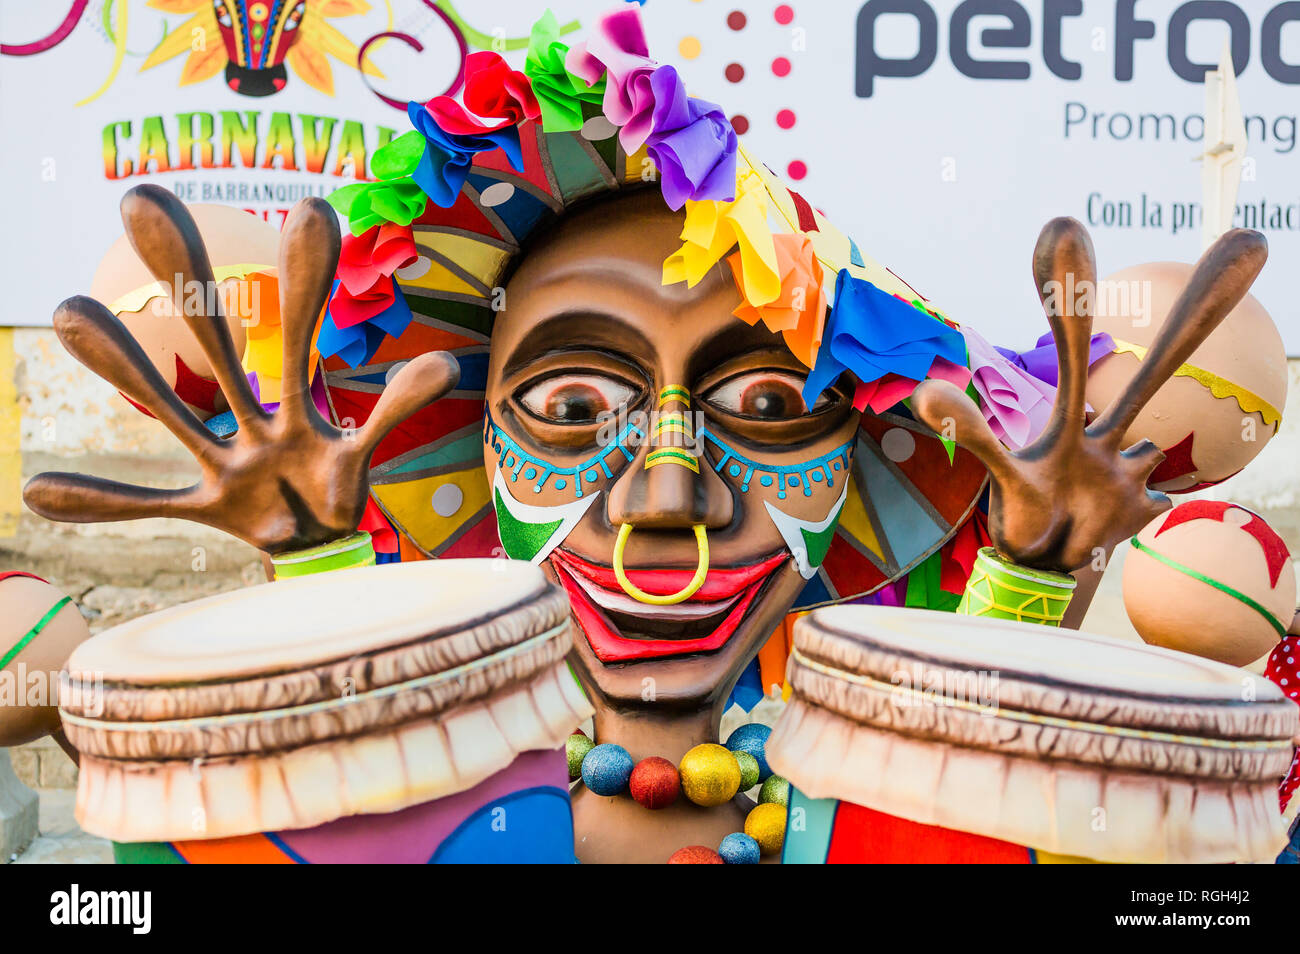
point(511, 457)
point(516, 460)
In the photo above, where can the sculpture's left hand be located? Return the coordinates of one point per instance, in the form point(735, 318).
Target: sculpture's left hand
point(1075, 492)
point(287, 480)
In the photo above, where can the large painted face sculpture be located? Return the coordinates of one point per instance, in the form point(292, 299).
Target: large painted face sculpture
point(637, 434)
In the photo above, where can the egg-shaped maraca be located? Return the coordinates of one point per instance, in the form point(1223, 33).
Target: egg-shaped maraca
point(235, 240)
point(39, 628)
point(1222, 406)
point(1210, 578)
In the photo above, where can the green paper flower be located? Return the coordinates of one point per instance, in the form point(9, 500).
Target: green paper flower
point(395, 197)
point(559, 93)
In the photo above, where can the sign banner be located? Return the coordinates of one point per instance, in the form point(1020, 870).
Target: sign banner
point(940, 134)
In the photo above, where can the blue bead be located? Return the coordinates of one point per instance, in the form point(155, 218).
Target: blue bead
point(752, 738)
point(606, 769)
point(739, 849)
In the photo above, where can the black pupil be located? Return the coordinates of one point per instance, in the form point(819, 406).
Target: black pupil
point(575, 402)
point(771, 400)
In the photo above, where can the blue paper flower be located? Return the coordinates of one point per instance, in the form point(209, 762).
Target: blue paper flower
point(358, 343)
point(448, 155)
point(871, 333)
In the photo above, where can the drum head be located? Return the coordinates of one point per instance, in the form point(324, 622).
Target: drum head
point(1086, 662)
point(307, 621)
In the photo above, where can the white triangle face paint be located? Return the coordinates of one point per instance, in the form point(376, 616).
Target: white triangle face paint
point(808, 541)
point(529, 532)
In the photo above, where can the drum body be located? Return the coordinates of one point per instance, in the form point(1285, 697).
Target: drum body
point(921, 737)
point(405, 713)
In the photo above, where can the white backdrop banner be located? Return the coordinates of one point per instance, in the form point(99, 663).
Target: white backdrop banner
point(940, 134)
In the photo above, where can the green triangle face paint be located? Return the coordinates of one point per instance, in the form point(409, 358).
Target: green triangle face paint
point(529, 532)
point(808, 542)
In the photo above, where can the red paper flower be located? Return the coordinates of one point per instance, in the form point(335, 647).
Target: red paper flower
point(492, 90)
point(377, 252)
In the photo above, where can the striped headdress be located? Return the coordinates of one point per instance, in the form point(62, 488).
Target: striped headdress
point(458, 196)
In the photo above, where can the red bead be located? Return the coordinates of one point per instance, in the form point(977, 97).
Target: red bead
point(654, 782)
point(696, 855)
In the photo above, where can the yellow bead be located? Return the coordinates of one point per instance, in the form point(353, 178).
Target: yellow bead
point(710, 775)
point(766, 825)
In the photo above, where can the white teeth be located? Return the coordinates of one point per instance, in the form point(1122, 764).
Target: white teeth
point(625, 604)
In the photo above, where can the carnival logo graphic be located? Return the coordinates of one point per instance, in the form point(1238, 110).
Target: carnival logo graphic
point(256, 44)
point(255, 41)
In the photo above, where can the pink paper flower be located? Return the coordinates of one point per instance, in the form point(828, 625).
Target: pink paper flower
point(617, 50)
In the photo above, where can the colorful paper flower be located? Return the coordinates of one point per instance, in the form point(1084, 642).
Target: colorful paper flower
point(799, 311)
point(1016, 404)
point(692, 143)
point(618, 51)
point(353, 328)
point(560, 94)
point(452, 140)
point(380, 251)
point(493, 91)
point(713, 228)
point(396, 197)
point(1040, 361)
point(871, 334)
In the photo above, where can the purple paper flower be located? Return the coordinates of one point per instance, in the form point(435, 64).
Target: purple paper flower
point(692, 143)
point(617, 50)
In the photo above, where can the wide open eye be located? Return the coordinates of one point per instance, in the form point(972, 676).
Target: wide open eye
point(763, 396)
point(575, 398)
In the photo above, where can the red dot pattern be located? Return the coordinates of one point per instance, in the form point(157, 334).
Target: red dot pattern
point(735, 72)
point(736, 20)
point(783, 14)
point(781, 66)
point(796, 170)
point(785, 118)
point(740, 123)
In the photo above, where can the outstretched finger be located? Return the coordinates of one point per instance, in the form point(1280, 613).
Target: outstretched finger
point(98, 339)
point(1065, 273)
point(1222, 278)
point(164, 235)
point(77, 498)
point(309, 254)
point(421, 382)
point(946, 410)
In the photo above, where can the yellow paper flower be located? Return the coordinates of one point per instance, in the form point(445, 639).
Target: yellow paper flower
point(714, 227)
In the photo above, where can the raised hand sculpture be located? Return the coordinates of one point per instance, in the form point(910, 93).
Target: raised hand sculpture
point(286, 480)
point(1076, 488)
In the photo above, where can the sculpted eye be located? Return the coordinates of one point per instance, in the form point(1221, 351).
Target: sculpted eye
point(763, 396)
point(575, 398)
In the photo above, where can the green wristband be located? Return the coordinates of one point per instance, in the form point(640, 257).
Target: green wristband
point(1000, 589)
point(354, 550)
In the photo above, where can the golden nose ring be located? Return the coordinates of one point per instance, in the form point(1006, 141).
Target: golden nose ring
point(652, 599)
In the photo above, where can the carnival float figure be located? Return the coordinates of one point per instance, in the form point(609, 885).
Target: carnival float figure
point(575, 324)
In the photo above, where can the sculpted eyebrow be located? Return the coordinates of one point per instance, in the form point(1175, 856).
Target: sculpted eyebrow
point(582, 329)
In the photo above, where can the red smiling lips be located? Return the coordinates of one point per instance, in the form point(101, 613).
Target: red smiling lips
point(620, 629)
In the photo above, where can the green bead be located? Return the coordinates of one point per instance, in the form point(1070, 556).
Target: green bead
point(576, 748)
point(748, 770)
point(775, 790)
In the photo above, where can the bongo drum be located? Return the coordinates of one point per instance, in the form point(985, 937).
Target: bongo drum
point(916, 736)
point(414, 712)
